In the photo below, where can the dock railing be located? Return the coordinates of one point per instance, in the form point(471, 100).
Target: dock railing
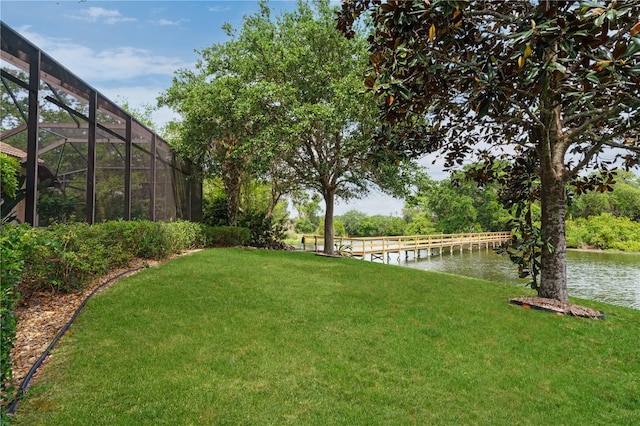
point(378, 247)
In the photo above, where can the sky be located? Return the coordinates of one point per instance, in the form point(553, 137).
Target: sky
point(129, 50)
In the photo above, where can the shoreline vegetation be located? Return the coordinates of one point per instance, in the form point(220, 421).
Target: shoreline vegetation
point(599, 250)
point(258, 336)
point(605, 231)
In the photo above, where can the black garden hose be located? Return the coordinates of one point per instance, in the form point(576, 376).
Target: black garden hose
point(25, 382)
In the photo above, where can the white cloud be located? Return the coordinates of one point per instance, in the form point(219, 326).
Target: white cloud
point(138, 97)
point(113, 64)
point(166, 22)
point(217, 9)
point(96, 14)
point(118, 73)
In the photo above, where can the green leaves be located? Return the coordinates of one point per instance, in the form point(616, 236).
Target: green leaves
point(11, 264)
point(632, 48)
point(501, 63)
point(9, 167)
point(284, 100)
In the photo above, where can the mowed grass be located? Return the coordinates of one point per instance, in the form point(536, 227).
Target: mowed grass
point(251, 337)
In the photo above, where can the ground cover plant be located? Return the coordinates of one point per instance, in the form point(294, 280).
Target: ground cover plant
point(239, 336)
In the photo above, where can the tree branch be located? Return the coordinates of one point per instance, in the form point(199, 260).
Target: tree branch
point(575, 133)
point(634, 148)
point(586, 159)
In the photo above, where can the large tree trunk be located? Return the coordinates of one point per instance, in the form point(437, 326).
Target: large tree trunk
point(553, 178)
point(329, 198)
point(553, 262)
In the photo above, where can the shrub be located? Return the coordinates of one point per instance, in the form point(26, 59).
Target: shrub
point(10, 184)
point(266, 232)
point(305, 226)
point(226, 236)
point(68, 256)
point(153, 240)
point(10, 271)
point(214, 211)
point(64, 257)
point(157, 240)
point(605, 232)
point(55, 206)
point(42, 253)
point(183, 235)
point(9, 168)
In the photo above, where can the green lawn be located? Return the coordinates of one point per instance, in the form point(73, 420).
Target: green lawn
point(234, 336)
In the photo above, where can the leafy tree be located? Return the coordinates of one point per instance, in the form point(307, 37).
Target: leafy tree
point(144, 114)
point(378, 225)
point(305, 226)
point(328, 120)
point(604, 231)
point(545, 85)
point(307, 207)
point(451, 210)
point(623, 200)
point(255, 205)
point(626, 197)
point(212, 132)
point(456, 205)
point(351, 220)
point(420, 224)
point(454, 211)
point(359, 224)
point(225, 106)
point(285, 92)
point(338, 228)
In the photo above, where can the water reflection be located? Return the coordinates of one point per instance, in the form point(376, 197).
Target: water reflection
point(608, 277)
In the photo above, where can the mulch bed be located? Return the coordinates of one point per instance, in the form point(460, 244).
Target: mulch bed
point(557, 307)
point(41, 315)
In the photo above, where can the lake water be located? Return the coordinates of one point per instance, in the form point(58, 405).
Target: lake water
point(603, 276)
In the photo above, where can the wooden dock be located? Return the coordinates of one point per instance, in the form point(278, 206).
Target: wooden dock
point(380, 248)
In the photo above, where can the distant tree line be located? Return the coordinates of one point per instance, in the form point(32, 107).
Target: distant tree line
point(608, 219)
point(605, 219)
point(449, 206)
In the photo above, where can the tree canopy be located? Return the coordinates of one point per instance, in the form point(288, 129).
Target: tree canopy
point(622, 201)
point(548, 86)
point(283, 99)
point(455, 205)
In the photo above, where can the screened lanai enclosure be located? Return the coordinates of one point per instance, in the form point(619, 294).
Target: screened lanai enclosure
point(83, 157)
